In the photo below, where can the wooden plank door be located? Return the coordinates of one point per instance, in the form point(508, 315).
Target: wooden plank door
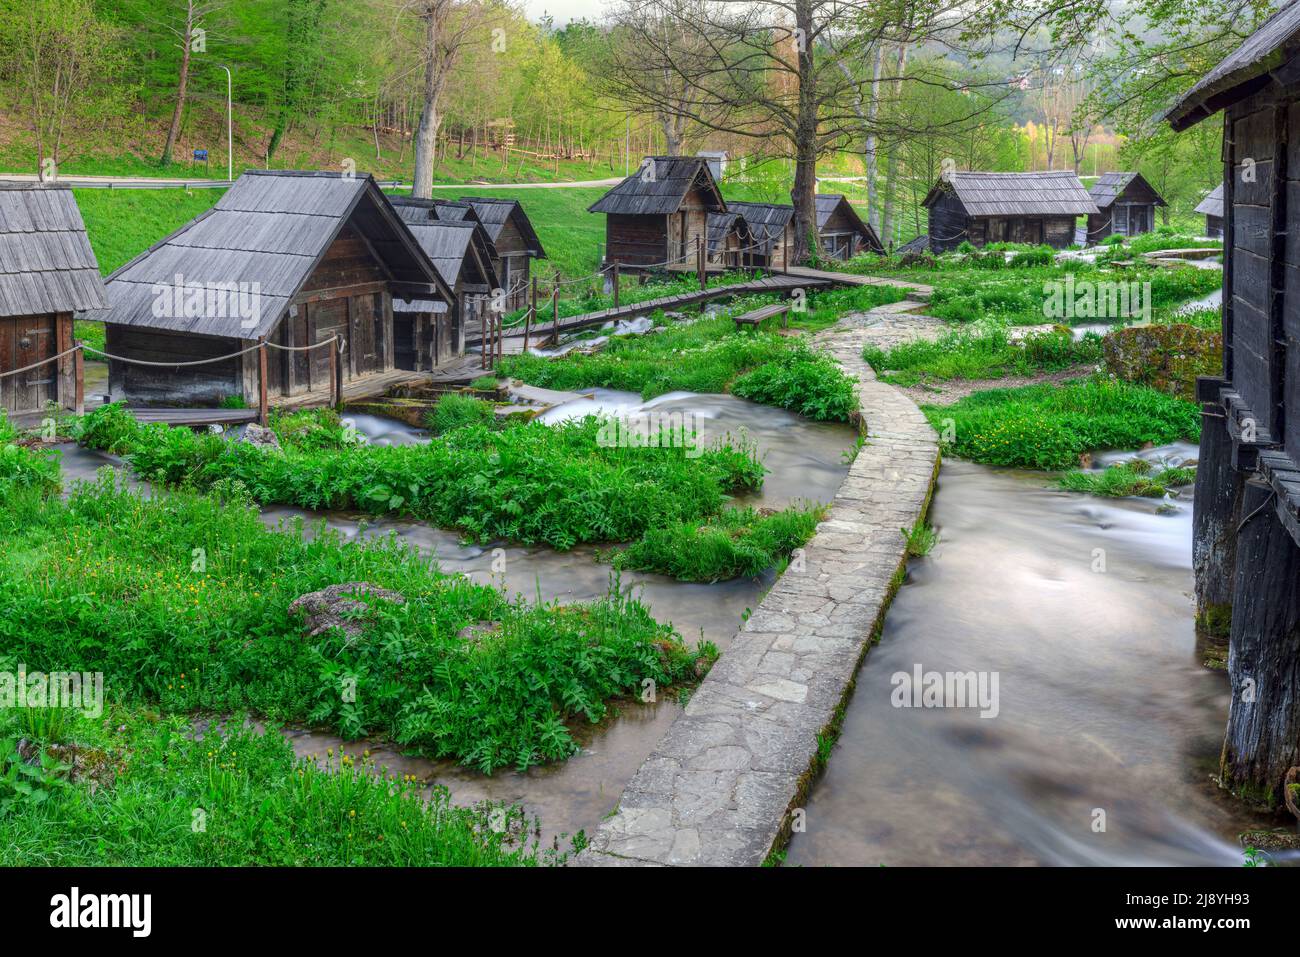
point(328, 319)
point(23, 341)
point(299, 372)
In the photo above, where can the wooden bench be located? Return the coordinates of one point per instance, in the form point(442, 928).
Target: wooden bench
point(756, 316)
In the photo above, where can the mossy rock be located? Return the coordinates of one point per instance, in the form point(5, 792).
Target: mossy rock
point(410, 411)
point(1167, 358)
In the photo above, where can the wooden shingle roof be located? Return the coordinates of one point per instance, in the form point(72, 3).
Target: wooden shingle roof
point(1052, 193)
point(767, 221)
point(1212, 205)
point(495, 212)
point(659, 187)
point(1242, 72)
point(46, 263)
point(458, 249)
point(270, 229)
point(1110, 186)
point(721, 225)
point(828, 204)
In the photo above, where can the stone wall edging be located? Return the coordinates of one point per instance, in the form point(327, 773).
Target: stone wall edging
point(719, 787)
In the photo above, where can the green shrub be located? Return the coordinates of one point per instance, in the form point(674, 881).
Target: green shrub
point(455, 411)
point(260, 806)
point(982, 353)
point(531, 483)
point(737, 542)
point(1036, 256)
point(809, 383)
point(1050, 426)
point(1135, 477)
point(184, 603)
point(110, 428)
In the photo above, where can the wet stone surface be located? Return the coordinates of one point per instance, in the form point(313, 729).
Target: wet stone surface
point(717, 789)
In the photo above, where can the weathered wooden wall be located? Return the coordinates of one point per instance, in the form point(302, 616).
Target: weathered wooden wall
point(25, 340)
point(636, 240)
point(949, 226)
point(149, 385)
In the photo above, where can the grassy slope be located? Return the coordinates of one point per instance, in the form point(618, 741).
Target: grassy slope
point(122, 223)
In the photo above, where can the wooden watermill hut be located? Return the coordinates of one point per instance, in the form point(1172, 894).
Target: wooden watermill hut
point(1246, 520)
point(428, 332)
point(515, 244)
point(48, 274)
point(772, 228)
point(841, 231)
point(730, 240)
point(659, 215)
point(1126, 206)
point(982, 208)
point(291, 258)
point(1212, 209)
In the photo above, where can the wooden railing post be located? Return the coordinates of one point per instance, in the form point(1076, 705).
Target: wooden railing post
point(79, 376)
point(528, 325)
point(699, 263)
point(484, 345)
point(263, 405)
point(334, 373)
point(615, 283)
point(555, 316)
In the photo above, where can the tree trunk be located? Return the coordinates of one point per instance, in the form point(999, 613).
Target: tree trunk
point(426, 136)
point(174, 131)
point(672, 139)
point(804, 192)
point(891, 166)
point(873, 141)
point(1264, 658)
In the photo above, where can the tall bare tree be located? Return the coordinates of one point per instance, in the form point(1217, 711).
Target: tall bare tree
point(189, 27)
point(443, 30)
point(793, 72)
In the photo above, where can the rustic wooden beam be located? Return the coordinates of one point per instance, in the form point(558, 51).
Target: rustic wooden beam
point(263, 409)
point(79, 381)
point(1261, 742)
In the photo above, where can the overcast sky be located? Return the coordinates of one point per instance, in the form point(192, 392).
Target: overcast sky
point(564, 10)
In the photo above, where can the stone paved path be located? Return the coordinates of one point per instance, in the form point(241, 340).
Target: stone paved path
point(719, 788)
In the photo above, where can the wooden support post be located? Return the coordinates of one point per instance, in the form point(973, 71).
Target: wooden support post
point(79, 377)
point(533, 300)
point(700, 269)
point(528, 325)
point(1216, 513)
point(616, 284)
point(334, 373)
point(263, 405)
point(484, 345)
point(555, 316)
point(1264, 658)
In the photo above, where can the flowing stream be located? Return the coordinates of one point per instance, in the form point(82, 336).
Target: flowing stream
point(1082, 606)
point(806, 464)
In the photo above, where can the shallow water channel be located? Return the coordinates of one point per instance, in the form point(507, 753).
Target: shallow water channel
point(806, 463)
point(1102, 704)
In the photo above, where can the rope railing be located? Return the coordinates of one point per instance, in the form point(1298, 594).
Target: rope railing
point(43, 362)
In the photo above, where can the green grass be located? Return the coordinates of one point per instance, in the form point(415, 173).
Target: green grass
point(1135, 477)
point(145, 790)
point(981, 353)
point(737, 542)
point(529, 482)
point(122, 223)
point(1051, 426)
point(920, 538)
point(984, 287)
point(711, 355)
point(183, 604)
point(455, 411)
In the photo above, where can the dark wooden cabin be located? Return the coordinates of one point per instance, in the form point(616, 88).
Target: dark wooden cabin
point(514, 241)
point(294, 258)
point(982, 208)
point(772, 226)
point(1126, 206)
point(1246, 518)
point(730, 240)
point(47, 273)
point(659, 214)
point(431, 331)
point(841, 231)
point(1212, 209)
